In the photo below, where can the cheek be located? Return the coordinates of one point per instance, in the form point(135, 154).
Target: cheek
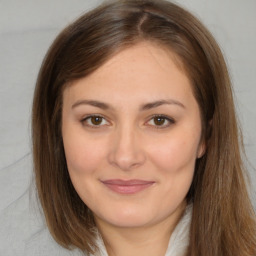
point(83, 155)
point(84, 159)
point(175, 153)
point(175, 160)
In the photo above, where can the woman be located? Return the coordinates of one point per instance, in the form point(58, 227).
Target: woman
point(133, 112)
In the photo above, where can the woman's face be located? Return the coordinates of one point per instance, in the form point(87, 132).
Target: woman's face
point(131, 133)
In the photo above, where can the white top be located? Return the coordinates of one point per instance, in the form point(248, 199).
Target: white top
point(24, 233)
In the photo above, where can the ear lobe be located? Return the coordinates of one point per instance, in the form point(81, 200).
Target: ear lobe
point(201, 149)
point(203, 143)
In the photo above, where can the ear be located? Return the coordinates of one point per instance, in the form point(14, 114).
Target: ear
point(201, 148)
point(203, 143)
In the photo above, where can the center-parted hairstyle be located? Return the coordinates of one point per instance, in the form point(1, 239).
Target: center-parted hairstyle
point(223, 220)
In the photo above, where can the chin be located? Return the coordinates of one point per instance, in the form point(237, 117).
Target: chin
point(129, 222)
point(130, 217)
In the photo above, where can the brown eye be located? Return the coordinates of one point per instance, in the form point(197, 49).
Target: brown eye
point(95, 121)
point(159, 120)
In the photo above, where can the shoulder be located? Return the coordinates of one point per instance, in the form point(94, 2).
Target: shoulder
point(24, 233)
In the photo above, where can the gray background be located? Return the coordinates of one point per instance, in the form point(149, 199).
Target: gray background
point(27, 28)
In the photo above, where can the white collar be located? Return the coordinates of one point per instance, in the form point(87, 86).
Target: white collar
point(179, 239)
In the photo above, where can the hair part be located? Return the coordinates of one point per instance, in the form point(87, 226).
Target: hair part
point(223, 221)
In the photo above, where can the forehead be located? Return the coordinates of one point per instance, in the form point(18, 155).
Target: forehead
point(143, 57)
point(145, 70)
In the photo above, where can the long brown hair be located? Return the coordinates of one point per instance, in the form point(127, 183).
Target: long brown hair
point(223, 220)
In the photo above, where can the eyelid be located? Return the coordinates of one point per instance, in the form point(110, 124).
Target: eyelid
point(87, 117)
point(169, 119)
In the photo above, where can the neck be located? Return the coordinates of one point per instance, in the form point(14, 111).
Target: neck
point(148, 240)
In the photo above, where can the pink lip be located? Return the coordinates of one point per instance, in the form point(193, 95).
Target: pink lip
point(127, 186)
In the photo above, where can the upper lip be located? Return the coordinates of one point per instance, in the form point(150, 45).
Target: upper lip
point(120, 182)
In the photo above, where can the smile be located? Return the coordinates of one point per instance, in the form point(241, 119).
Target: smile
point(127, 186)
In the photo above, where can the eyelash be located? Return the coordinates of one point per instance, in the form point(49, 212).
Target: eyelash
point(166, 118)
point(170, 121)
point(84, 121)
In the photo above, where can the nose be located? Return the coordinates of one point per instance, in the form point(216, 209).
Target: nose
point(126, 150)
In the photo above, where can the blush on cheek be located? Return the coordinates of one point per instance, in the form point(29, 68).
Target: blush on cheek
point(176, 163)
point(174, 152)
point(82, 158)
point(79, 165)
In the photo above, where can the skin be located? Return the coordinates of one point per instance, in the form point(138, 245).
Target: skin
point(126, 142)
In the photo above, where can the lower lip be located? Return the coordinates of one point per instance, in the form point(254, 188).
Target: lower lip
point(128, 189)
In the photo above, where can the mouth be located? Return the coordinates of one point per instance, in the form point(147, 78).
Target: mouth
point(127, 186)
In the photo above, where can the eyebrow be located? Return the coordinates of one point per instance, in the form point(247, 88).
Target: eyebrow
point(161, 102)
point(143, 107)
point(93, 103)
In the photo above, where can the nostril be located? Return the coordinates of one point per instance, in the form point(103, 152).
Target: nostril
point(126, 159)
point(126, 151)
point(126, 162)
